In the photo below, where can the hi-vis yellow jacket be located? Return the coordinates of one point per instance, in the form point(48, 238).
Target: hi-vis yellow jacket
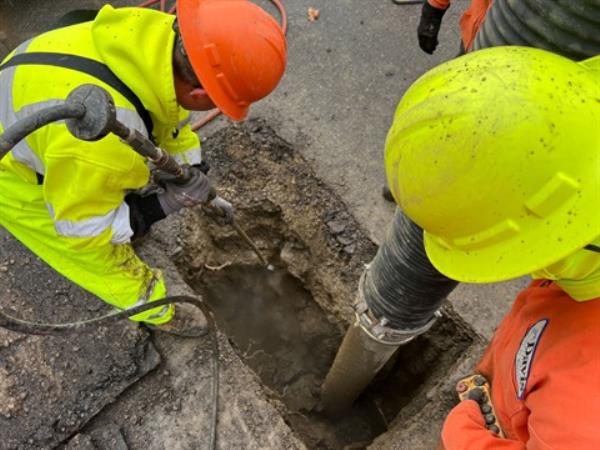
point(77, 220)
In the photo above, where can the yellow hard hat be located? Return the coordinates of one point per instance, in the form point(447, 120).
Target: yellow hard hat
point(496, 155)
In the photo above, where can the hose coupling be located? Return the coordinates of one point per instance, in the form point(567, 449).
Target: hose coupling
point(377, 328)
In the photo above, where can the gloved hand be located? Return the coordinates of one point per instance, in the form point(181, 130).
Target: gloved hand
point(221, 210)
point(196, 190)
point(465, 427)
point(429, 27)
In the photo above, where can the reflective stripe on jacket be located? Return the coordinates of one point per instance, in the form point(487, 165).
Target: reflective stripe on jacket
point(84, 183)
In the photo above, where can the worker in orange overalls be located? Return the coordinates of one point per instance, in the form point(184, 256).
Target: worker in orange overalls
point(496, 156)
point(544, 367)
point(431, 20)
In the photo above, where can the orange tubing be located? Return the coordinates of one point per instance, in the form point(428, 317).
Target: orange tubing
point(215, 112)
point(148, 3)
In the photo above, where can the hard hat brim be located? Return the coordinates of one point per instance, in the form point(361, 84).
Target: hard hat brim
point(512, 258)
point(237, 50)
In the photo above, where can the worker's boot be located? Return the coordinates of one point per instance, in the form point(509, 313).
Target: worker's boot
point(188, 321)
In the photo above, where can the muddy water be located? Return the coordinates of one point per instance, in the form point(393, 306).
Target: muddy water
point(284, 336)
point(279, 330)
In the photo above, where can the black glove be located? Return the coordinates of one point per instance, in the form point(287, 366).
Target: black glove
point(429, 27)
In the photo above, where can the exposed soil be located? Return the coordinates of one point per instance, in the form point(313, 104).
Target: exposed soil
point(283, 335)
point(287, 325)
point(279, 330)
point(298, 222)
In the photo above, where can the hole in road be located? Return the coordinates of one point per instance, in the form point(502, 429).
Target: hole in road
point(287, 325)
point(287, 340)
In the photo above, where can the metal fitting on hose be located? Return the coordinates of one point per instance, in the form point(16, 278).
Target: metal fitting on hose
point(377, 328)
point(399, 297)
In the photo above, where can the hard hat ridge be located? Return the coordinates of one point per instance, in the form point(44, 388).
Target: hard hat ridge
point(238, 51)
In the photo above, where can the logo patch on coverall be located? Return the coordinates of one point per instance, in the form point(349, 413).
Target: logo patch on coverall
point(525, 354)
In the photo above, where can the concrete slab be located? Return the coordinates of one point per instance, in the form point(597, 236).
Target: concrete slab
point(109, 437)
point(483, 306)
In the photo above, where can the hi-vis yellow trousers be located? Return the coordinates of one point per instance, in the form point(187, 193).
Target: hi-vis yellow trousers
point(112, 272)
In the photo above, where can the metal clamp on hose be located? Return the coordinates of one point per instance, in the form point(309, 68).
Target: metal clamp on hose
point(377, 328)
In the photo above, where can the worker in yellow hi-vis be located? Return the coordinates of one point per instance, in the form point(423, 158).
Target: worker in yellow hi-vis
point(75, 204)
point(496, 156)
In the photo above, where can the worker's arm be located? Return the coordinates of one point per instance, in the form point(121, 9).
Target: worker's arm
point(429, 26)
point(184, 145)
point(85, 186)
point(543, 365)
point(90, 198)
point(464, 429)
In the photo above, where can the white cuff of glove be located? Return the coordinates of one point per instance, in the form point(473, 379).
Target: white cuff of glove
point(224, 210)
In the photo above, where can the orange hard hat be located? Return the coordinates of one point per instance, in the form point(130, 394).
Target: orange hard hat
point(237, 50)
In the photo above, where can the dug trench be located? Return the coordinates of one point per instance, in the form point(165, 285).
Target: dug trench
point(287, 324)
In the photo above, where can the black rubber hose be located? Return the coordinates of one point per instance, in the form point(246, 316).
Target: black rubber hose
point(566, 27)
point(13, 134)
point(24, 326)
point(401, 285)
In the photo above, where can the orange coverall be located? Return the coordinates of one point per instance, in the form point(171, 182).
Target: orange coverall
point(470, 21)
point(544, 368)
